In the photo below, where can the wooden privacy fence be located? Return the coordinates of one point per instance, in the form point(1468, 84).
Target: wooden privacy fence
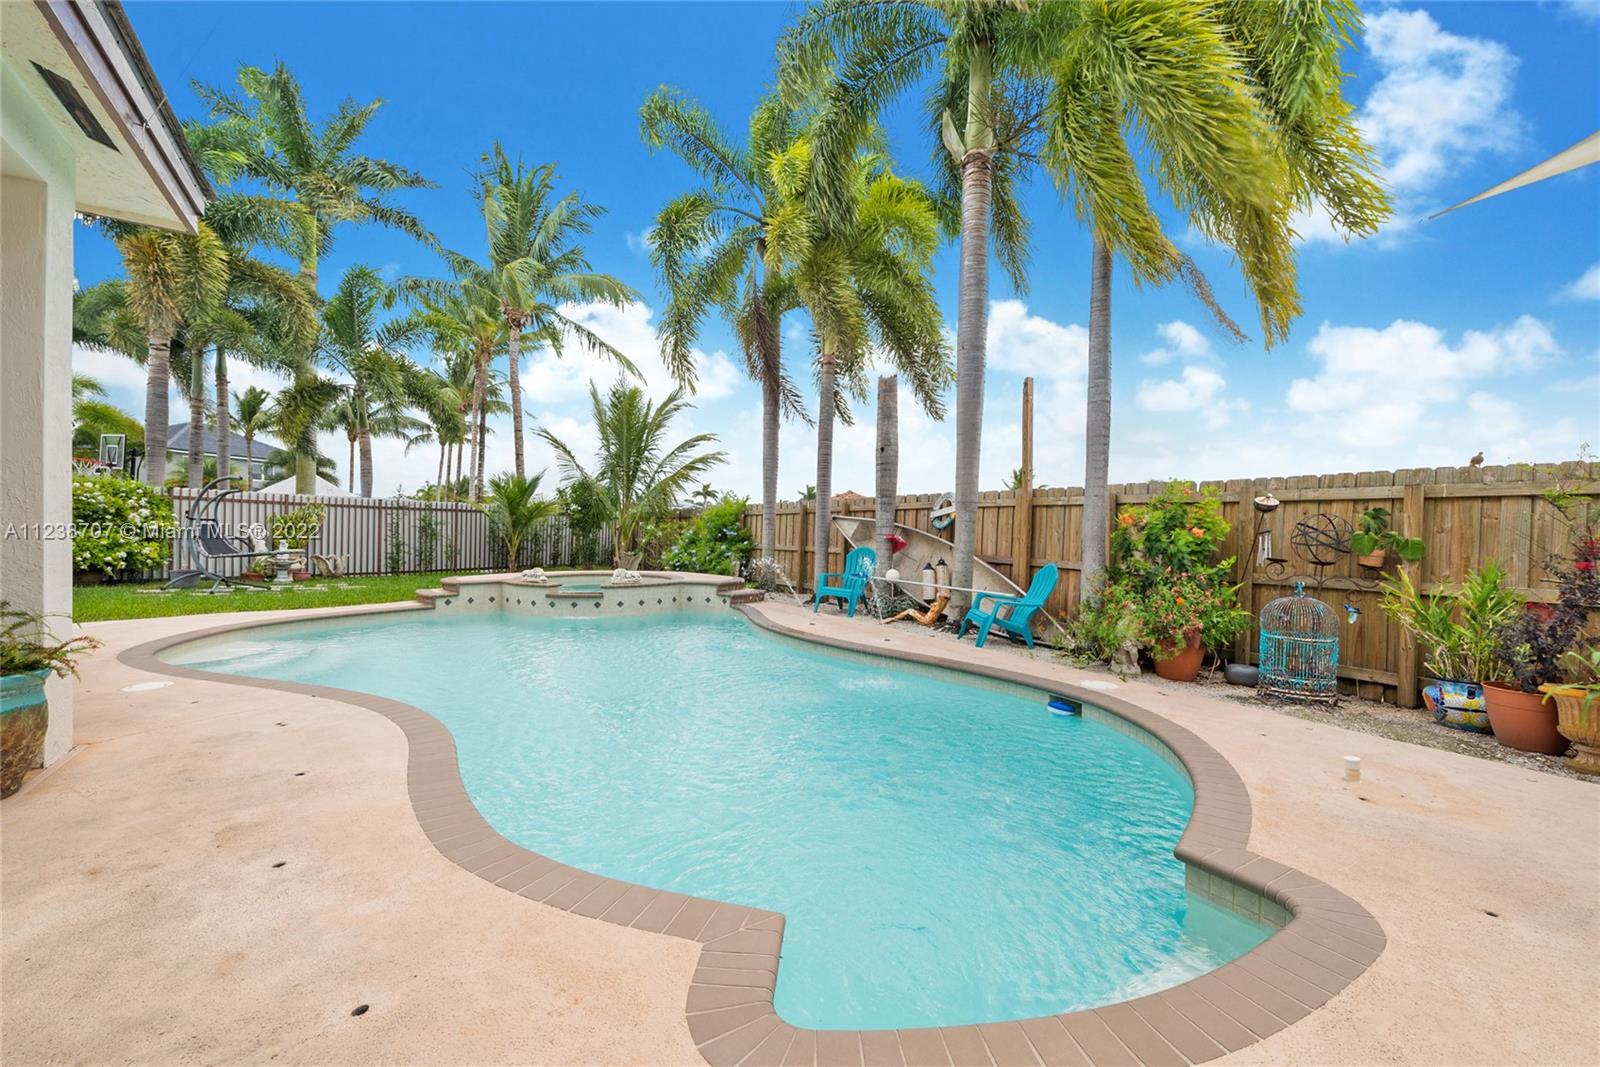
point(396, 536)
point(1466, 515)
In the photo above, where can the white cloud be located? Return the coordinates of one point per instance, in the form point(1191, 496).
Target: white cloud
point(552, 379)
point(1028, 344)
point(641, 241)
point(1586, 287)
point(1441, 101)
point(1183, 342)
point(1377, 386)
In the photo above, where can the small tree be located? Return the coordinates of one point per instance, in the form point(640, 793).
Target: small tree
point(514, 509)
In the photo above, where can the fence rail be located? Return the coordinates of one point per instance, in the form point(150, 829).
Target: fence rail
point(395, 536)
point(1467, 515)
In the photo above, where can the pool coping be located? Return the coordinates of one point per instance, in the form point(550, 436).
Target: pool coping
point(1325, 939)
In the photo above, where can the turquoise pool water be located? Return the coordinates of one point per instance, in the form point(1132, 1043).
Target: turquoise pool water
point(945, 853)
point(581, 587)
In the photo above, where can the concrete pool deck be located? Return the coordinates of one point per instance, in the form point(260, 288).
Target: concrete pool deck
point(145, 920)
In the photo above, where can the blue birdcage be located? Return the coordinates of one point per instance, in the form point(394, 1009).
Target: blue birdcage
point(1299, 648)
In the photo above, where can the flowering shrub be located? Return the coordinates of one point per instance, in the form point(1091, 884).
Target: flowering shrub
point(1165, 581)
point(119, 526)
point(716, 541)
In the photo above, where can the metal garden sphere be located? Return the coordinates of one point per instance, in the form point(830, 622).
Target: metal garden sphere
point(1321, 539)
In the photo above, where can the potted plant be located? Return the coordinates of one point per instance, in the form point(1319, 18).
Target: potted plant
point(1578, 708)
point(1184, 617)
point(1457, 634)
point(1374, 540)
point(29, 654)
point(1533, 649)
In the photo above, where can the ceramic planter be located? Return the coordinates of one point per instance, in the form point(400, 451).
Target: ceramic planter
point(1523, 721)
point(1457, 704)
point(1186, 664)
point(1580, 726)
point(1374, 560)
point(24, 715)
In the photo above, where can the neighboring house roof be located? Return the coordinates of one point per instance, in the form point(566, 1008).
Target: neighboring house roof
point(82, 64)
point(178, 441)
point(848, 494)
point(323, 488)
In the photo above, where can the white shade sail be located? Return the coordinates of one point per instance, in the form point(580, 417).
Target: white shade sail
point(1581, 154)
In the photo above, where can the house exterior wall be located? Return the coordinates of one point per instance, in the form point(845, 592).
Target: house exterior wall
point(37, 198)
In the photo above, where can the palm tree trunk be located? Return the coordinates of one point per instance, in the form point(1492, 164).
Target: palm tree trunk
point(480, 419)
point(1097, 431)
point(249, 459)
point(158, 349)
point(224, 417)
point(972, 311)
point(305, 463)
point(364, 437)
point(438, 479)
point(483, 441)
point(514, 383)
point(771, 401)
point(197, 420)
point(350, 477)
point(825, 388)
point(886, 488)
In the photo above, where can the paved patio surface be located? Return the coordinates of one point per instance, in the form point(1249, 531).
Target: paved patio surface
point(144, 921)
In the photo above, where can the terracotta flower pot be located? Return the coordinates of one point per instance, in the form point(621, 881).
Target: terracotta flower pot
point(1580, 726)
point(1375, 559)
point(1186, 664)
point(1523, 721)
point(24, 715)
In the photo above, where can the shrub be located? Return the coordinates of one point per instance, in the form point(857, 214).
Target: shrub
point(120, 526)
point(1180, 530)
point(297, 527)
point(1534, 648)
point(716, 541)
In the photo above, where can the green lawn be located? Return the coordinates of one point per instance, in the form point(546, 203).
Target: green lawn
point(94, 603)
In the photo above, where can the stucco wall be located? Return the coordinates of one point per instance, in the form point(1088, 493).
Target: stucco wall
point(37, 197)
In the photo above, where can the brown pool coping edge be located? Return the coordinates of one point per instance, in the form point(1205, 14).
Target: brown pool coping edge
point(1325, 941)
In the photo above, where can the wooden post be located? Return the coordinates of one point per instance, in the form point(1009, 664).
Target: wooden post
point(808, 575)
point(1245, 520)
point(1022, 507)
point(1410, 525)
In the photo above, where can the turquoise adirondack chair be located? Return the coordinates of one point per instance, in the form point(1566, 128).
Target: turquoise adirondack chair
point(848, 585)
point(1022, 608)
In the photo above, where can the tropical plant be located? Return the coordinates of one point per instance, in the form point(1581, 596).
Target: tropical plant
point(268, 135)
point(715, 541)
point(298, 526)
point(536, 265)
point(1180, 530)
point(93, 416)
point(1178, 606)
point(861, 275)
point(586, 507)
point(1457, 631)
point(120, 526)
point(1242, 124)
point(172, 278)
point(808, 493)
point(1373, 533)
point(253, 409)
point(514, 508)
point(708, 247)
point(382, 380)
point(851, 58)
point(639, 475)
point(27, 645)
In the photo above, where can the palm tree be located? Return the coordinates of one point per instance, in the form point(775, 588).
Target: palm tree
point(708, 249)
point(1242, 124)
point(862, 277)
point(886, 489)
point(706, 495)
point(638, 473)
point(857, 55)
point(93, 415)
point(253, 409)
point(514, 509)
point(536, 264)
point(383, 381)
point(275, 141)
point(808, 493)
point(171, 278)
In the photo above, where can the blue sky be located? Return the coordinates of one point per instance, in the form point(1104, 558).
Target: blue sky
point(1434, 340)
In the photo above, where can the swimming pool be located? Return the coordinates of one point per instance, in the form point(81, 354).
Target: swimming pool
point(945, 852)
